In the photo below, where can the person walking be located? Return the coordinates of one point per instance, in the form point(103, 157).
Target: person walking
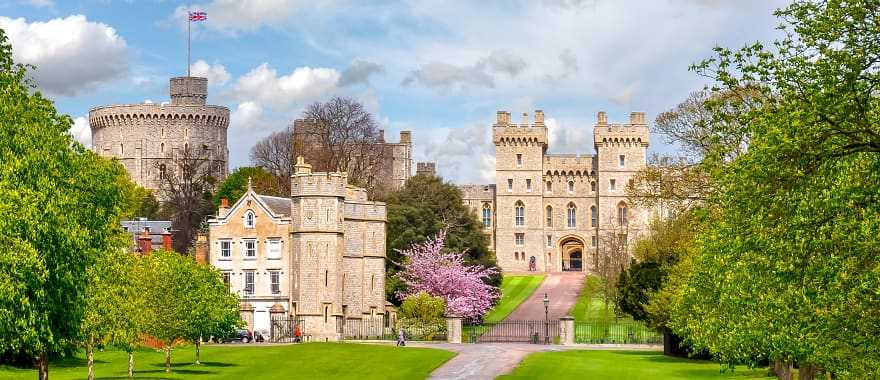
point(401, 338)
point(297, 334)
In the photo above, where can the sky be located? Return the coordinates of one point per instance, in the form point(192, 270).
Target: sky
point(440, 69)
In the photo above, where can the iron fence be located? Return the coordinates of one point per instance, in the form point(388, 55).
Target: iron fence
point(625, 332)
point(537, 332)
point(375, 329)
point(284, 329)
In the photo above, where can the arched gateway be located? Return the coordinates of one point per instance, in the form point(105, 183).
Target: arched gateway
point(571, 250)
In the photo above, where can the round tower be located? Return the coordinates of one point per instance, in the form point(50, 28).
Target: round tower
point(147, 138)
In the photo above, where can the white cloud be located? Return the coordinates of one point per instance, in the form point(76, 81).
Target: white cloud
point(232, 16)
point(81, 131)
point(248, 115)
point(481, 74)
point(216, 73)
point(359, 72)
point(71, 54)
point(264, 85)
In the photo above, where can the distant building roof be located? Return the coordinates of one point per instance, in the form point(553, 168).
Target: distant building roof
point(279, 206)
point(136, 227)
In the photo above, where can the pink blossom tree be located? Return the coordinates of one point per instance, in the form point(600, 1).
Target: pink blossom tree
point(444, 274)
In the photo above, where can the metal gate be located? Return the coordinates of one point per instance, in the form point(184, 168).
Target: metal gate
point(536, 332)
point(283, 329)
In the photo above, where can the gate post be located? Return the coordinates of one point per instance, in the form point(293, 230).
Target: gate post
point(566, 330)
point(453, 329)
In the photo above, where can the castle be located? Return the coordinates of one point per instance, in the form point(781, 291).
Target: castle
point(557, 212)
point(148, 138)
point(318, 255)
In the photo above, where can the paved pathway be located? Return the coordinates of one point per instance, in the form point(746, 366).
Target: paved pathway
point(562, 289)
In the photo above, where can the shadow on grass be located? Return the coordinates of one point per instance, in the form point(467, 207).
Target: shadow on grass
point(219, 364)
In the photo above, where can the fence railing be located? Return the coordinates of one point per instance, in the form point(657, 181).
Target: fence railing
point(374, 329)
point(543, 332)
point(283, 329)
point(624, 332)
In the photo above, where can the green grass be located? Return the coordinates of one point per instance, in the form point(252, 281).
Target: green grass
point(614, 365)
point(514, 290)
point(300, 361)
point(592, 325)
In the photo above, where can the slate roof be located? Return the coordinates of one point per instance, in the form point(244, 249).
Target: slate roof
point(278, 205)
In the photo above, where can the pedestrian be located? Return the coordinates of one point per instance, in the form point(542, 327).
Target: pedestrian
point(401, 338)
point(297, 334)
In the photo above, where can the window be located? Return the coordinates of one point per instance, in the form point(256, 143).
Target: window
point(572, 215)
point(225, 249)
point(622, 160)
point(622, 216)
point(226, 278)
point(510, 184)
point(326, 278)
point(162, 148)
point(519, 160)
point(549, 186)
point(528, 185)
point(593, 186)
point(520, 239)
point(593, 240)
point(549, 240)
point(594, 216)
point(250, 219)
point(249, 282)
point(121, 149)
point(275, 281)
point(273, 249)
point(549, 216)
point(326, 312)
point(162, 171)
point(487, 216)
point(570, 186)
point(611, 185)
point(520, 210)
point(250, 248)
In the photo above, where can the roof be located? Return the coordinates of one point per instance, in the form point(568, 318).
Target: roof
point(279, 206)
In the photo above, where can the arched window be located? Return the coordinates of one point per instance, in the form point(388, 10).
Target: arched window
point(593, 186)
point(570, 186)
point(594, 216)
point(549, 216)
point(162, 148)
point(622, 214)
point(520, 213)
point(249, 219)
point(549, 186)
point(487, 215)
point(572, 215)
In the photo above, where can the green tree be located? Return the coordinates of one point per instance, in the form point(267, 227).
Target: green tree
point(214, 311)
point(139, 202)
point(423, 207)
point(167, 290)
point(236, 184)
point(787, 267)
point(59, 209)
point(421, 314)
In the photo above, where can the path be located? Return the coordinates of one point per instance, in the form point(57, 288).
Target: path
point(562, 289)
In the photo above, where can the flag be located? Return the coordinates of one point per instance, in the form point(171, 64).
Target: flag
point(198, 16)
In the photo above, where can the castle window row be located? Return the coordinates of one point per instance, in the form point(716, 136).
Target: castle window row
point(249, 281)
point(249, 248)
point(571, 215)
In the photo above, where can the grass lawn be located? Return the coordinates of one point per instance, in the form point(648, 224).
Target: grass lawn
point(300, 361)
point(593, 326)
point(514, 290)
point(614, 365)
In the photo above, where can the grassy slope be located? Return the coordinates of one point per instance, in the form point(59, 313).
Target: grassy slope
point(301, 361)
point(590, 306)
point(614, 365)
point(514, 290)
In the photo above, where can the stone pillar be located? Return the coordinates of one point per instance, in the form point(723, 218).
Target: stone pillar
point(247, 314)
point(201, 249)
point(566, 330)
point(453, 329)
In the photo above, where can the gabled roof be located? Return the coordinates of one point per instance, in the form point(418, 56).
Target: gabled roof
point(278, 205)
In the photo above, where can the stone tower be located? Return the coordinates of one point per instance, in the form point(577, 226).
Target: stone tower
point(519, 154)
point(147, 138)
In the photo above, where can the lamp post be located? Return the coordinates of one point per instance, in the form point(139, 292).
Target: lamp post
point(546, 319)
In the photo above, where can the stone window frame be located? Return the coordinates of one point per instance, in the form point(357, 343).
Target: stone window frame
point(246, 249)
point(519, 239)
point(612, 184)
point(252, 275)
point(487, 215)
point(571, 215)
point(228, 249)
point(549, 187)
point(275, 281)
point(549, 240)
point(510, 185)
point(570, 187)
point(519, 160)
point(549, 211)
point(594, 216)
point(226, 277)
point(621, 160)
point(274, 241)
point(528, 185)
point(623, 213)
point(594, 240)
point(519, 214)
point(250, 219)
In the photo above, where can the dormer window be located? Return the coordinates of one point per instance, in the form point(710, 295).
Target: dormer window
point(250, 220)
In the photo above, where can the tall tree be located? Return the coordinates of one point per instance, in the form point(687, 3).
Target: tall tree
point(341, 135)
point(235, 185)
point(59, 208)
point(274, 153)
point(187, 188)
point(214, 311)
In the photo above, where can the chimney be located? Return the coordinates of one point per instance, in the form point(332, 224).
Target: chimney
point(539, 118)
point(637, 118)
point(202, 249)
point(381, 135)
point(405, 137)
point(301, 166)
point(602, 118)
point(525, 120)
point(166, 240)
point(145, 241)
point(224, 207)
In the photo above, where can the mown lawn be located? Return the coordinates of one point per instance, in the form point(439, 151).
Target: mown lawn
point(514, 290)
point(300, 361)
point(592, 325)
point(622, 365)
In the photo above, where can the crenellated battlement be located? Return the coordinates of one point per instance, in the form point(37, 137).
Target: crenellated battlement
point(505, 132)
point(633, 134)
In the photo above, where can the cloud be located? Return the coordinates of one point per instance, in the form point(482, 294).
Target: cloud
point(264, 85)
point(71, 54)
point(232, 16)
point(480, 74)
point(81, 131)
point(215, 73)
point(359, 72)
point(248, 115)
point(462, 154)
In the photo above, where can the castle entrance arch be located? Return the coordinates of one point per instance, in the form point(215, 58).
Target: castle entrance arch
point(572, 250)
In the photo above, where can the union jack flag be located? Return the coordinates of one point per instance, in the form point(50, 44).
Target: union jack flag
point(198, 16)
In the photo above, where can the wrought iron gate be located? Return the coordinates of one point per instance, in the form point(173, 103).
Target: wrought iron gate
point(537, 332)
point(283, 329)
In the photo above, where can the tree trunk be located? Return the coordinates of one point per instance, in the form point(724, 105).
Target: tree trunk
point(198, 351)
point(782, 369)
point(90, 357)
point(168, 358)
point(130, 365)
point(807, 371)
point(43, 365)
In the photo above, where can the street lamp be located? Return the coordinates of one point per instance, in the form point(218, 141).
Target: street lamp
point(546, 319)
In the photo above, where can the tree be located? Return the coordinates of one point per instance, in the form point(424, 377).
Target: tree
point(341, 135)
point(424, 207)
point(139, 202)
point(791, 238)
point(214, 311)
point(612, 257)
point(187, 188)
point(422, 313)
point(426, 268)
point(274, 154)
point(167, 279)
point(236, 184)
point(59, 208)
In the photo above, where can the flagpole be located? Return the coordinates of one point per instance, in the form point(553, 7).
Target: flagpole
point(188, 38)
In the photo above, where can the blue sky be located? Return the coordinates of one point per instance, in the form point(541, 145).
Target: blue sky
point(439, 68)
